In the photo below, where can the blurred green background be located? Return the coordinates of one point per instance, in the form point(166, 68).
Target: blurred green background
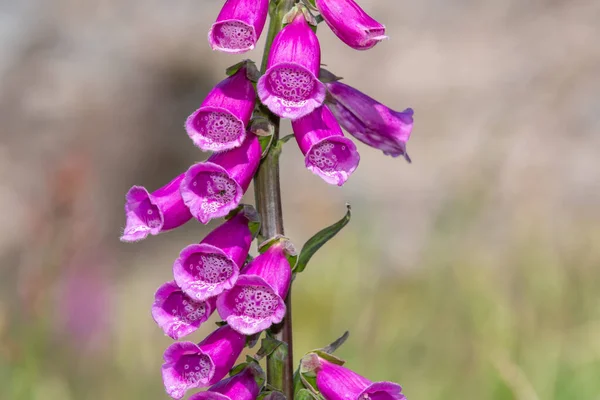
point(473, 273)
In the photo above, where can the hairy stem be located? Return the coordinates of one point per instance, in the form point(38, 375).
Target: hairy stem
point(280, 364)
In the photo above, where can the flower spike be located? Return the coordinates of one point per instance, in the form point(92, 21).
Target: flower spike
point(153, 213)
point(238, 26)
point(290, 87)
point(220, 122)
point(207, 269)
point(327, 152)
point(213, 188)
point(370, 121)
point(351, 24)
point(189, 366)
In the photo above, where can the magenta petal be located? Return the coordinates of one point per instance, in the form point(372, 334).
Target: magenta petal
point(213, 188)
point(203, 271)
point(186, 367)
point(238, 25)
point(290, 87)
point(223, 346)
point(153, 213)
point(383, 391)
point(257, 300)
point(351, 24)
point(220, 123)
point(251, 306)
point(242, 386)
point(339, 383)
point(234, 236)
point(328, 153)
point(370, 121)
point(176, 313)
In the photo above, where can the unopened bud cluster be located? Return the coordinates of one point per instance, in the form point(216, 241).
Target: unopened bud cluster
point(217, 273)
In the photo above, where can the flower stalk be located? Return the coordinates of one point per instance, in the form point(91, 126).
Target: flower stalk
point(280, 363)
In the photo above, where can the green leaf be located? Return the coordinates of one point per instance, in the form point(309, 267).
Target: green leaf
point(330, 349)
point(265, 144)
point(271, 396)
point(305, 394)
point(267, 346)
point(317, 241)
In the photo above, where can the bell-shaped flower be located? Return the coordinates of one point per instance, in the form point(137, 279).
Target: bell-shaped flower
point(327, 152)
point(351, 24)
point(241, 386)
point(207, 269)
point(370, 121)
point(238, 25)
point(339, 383)
point(189, 365)
point(152, 213)
point(257, 300)
point(290, 87)
point(177, 313)
point(220, 122)
point(211, 189)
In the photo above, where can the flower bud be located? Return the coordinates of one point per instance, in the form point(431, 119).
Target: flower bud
point(290, 87)
point(207, 269)
point(220, 122)
point(327, 152)
point(257, 300)
point(189, 366)
point(238, 25)
point(339, 383)
point(242, 386)
point(213, 188)
point(351, 24)
point(152, 213)
point(370, 121)
point(178, 314)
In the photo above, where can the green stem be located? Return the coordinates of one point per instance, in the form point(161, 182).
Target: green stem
point(280, 364)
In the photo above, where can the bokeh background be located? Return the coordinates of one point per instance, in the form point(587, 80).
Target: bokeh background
point(473, 273)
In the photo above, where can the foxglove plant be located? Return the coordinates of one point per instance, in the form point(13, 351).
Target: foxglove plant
point(252, 295)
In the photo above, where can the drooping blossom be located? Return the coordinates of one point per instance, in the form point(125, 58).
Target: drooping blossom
point(213, 188)
point(177, 313)
point(339, 383)
point(189, 365)
point(207, 269)
point(258, 298)
point(351, 24)
point(220, 122)
point(241, 386)
point(290, 87)
point(152, 213)
point(327, 152)
point(370, 121)
point(238, 25)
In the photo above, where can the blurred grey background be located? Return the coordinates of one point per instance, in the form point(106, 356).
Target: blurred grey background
point(472, 273)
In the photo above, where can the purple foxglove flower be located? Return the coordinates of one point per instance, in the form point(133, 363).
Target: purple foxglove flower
point(189, 366)
point(153, 213)
point(327, 152)
point(213, 188)
point(351, 24)
point(207, 269)
point(220, 123)
point(257, 299)
point(178, 314)
point(290, 87)
point(238, 25)
point(242, 386)
point(338, 383)
point(370, 121)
